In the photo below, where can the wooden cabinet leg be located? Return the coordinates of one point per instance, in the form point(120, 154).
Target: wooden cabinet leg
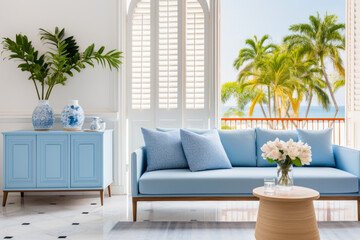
point(134, 205)
point(102, 197)
point(358, 208)
point(22, 194)
point(109, 190)
point(5, 194)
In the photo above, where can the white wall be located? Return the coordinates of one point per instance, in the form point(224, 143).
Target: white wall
point(97, 89)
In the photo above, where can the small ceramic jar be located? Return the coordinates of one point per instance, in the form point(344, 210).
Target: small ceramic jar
point(102, 125)
point(95, 124)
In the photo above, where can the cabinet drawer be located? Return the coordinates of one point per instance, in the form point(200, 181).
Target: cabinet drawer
point(20, 162)
point(86, 161)
point(53, 161)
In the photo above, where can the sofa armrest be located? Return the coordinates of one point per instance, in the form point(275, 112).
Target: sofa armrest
point(347, 159)
point(138, 166)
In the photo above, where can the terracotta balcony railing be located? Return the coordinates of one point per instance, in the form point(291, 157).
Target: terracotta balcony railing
point(338, 125)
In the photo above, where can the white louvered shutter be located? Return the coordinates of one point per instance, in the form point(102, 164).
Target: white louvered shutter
point(168, 57)
point(167, 66)
point(140, 61)
point(195, 55)
point(353, 73)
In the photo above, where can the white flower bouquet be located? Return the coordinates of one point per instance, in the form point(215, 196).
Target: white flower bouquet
point(286, 154)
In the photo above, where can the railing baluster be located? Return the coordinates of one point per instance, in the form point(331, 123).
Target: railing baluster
point(339, 132)
point(333, 124)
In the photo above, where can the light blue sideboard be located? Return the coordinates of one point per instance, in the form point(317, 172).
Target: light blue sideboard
point(57, 161)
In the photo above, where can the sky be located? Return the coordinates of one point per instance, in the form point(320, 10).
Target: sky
point(242, 19)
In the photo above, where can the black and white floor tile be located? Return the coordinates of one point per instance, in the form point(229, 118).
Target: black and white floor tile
point(41, 217)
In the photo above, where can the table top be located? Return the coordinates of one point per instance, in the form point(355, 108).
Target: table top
point(54, 132)
point(294, 195)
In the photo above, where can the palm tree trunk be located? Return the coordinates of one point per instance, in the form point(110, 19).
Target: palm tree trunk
point(309, 104)
point(269, 102)
point(275, 105)
point(262, 109)
point(329, 87)
point(278, 104)
point(287, 110)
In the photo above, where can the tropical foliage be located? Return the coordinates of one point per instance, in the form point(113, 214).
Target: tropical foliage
point(285, 75)
point(58, 64)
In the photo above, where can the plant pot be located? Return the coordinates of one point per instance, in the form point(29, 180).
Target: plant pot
point(43, 116)
point(72, 116)
point(285, 180)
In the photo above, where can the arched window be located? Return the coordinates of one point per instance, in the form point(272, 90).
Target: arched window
point(167, 61)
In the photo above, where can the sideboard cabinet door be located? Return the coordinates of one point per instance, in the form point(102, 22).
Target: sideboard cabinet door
point(20, 162)
point(86, 161)
point(53, 161)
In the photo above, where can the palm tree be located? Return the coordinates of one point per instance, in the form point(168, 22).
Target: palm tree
point(311, 82)
point(337, 80)
point(315, 86)
point(243, 97)
point(274, 72)
point(252, 55)
point(338, 84)
point(322, 40)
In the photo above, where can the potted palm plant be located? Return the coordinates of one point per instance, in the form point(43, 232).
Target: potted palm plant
point(55, 67)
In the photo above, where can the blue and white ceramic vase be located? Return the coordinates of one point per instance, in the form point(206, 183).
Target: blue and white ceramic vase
point(72, 116)
point(43, 116)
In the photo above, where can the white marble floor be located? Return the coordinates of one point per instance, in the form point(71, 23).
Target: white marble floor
point(41, 217)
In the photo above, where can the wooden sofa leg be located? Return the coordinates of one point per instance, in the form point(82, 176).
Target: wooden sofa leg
point(5, 194)
point(134, 205)
point(22, 194)
point(109, 190)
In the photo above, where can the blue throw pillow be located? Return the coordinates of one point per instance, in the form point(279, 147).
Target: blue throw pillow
point(321, 146)
point(194, 130)
point(204, 151)
point(167, 129)
point(240, 146)
point(164, 150)
point(265, 135)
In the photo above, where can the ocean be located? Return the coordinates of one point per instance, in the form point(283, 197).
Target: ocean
point(315, 112)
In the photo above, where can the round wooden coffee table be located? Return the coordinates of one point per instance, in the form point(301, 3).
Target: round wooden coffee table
point(287, 215)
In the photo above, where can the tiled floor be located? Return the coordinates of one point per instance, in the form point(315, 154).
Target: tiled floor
point(82, 217)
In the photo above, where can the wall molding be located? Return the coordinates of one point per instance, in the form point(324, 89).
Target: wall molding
point(25, 117)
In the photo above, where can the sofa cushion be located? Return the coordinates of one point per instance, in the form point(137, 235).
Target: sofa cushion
point(265, 135)
point(321, 146)
point(164, 150)
point(242, 180)
point(204, 151)
point(239, 146)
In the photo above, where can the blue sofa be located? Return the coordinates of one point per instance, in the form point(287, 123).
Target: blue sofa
point(334, 183)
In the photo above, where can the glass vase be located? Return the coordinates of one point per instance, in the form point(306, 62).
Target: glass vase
point(285, 180)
